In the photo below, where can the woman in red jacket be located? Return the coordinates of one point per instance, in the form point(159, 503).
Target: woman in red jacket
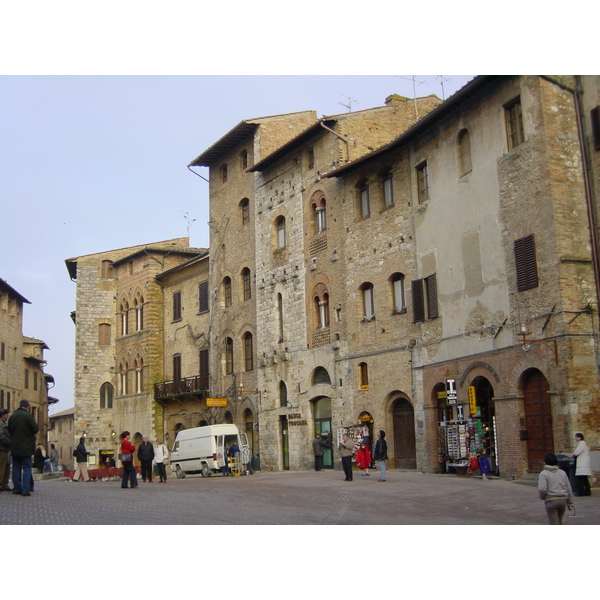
point(128, 449)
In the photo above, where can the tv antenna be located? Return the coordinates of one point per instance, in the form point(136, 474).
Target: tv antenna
point(350, 101)
point(442, 79)
point(415, 83)
point(186, 216)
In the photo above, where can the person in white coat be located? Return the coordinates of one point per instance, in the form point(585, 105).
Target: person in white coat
point(583, 468)
point(161, 454)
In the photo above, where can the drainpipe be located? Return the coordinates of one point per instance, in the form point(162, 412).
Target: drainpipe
point(346, 141)
point(194, 172)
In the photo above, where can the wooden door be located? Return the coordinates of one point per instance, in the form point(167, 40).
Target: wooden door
point(538, 420)
point(405, 451)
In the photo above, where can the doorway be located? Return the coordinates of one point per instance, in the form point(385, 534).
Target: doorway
point(538, 419)
point(322, 419)
point(405, 448)
point(285, 442)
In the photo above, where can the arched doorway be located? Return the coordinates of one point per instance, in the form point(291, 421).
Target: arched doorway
point(249, 429)
point(405, 449)
point(484, 419)
point(538, 418)
point(322, 419)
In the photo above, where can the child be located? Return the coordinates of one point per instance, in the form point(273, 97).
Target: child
point(363, 458)
point(484, 463)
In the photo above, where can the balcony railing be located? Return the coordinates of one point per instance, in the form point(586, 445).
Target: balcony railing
point(186, 386)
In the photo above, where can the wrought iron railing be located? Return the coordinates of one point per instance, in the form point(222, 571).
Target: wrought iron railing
point(181, 387)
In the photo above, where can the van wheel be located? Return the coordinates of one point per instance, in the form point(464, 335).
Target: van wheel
point(180, 474)
point(205, 470)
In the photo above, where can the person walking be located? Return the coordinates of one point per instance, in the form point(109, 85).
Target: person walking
point(484, 464)
point(346, 449)
point(146, 456)
point(380, 454)
point(54, 458)
point(555, 490)
point(81, 458)
point(4, 450)
point(318, 450)
point(127, 452)
point(583, 466)
point(22, 428)
point(161, 454)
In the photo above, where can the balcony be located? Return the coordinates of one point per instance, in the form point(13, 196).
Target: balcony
point(187, 386)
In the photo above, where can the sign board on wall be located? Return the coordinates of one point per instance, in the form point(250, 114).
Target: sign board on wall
point(451, 391)
point(216, 402)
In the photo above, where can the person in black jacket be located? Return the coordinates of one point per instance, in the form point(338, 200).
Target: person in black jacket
point(22, 428)
point(146, 455)
point(81, 456)
point(380, 454)
point(4, 450)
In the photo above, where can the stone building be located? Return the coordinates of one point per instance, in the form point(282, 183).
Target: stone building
point(119, 342)
point(60, 433)
point(22, 362)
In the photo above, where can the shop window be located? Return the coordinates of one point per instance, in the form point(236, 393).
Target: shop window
point(422, 183)
point(177, 306)
point(515, 135)
point(526, 263)
point(464, 152)
point(248, 352)
point(424, 297)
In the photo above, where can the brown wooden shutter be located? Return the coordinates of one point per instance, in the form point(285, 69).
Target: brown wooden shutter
point(432, 303)
point(418, 300)
point(203, 296)
point(525, 262)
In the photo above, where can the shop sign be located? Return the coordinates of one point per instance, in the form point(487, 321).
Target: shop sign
point(472, 400)
point(299, 421)
point(460, 415)
point(216, 402)
point(451, 391)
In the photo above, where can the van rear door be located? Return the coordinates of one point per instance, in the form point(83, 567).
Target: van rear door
point(220, 439)
point(244, 448)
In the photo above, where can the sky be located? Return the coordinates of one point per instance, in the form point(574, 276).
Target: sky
point(93, 163)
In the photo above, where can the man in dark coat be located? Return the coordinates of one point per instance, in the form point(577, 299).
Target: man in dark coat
point(22, 428)
point(318, 449)
point(146, 455)
point(380, 454)
point(4, 450)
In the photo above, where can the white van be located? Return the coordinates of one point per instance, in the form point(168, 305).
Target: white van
point(203, 449)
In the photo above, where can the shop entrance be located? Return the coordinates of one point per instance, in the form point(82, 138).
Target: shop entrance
point(538, 419)
point(485, 421)
point(285, 442)
point(405, 449)
point(322, 418)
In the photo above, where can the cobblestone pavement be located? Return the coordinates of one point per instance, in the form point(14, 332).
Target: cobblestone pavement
point(290, 498)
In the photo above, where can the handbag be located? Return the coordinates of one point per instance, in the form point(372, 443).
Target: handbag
point(126, 457)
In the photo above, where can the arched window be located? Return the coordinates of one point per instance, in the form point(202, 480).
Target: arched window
point(106, 395)
point(123, 368)
point(227, 291)
point(398, 297)
point(464, 152)
point(228, 356)
point(248, 352)
point(318, 208)
point(283, 395)
point(320, 375)
point(139, 375)
point(368, 301)
point(322, 310)
point(280, 232)
point(139, 313)
point(246, 284)
point(124, 317)
point(245, 211)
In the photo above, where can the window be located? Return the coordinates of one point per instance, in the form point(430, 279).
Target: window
point(176, 367)
point(106, 395)
point(365, 203)
point(124, 318)
point(595, 117)
point(243, 160)
point(422, 183)
point(177, 306)
point(245, 211)
point(246, 284)
point(322, 310)
point(363, 376)
point(106, 269)
point(35, 380)
point(227, 291)
point(464, 152)
point(26, 379)
point(526, 264)
point(2, 351)
point(280, 229)
point(514, 124)
point(368, 302)
point(228, 356)
point(104, 334)
point(123, 377)
point(223, 172)
point(388, 189)
point(280, 317)
point(203, 296)
point(283, 395)
point(139, 374)
point(139, 313)
point(424, 296)
point(248, 352)
point(398, 299)
point(310, 157)
point(321, 375)
point(203, 367)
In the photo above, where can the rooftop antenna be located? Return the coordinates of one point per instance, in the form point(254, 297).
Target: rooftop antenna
point(350, 101)
point(415, 83)
point(186, 216)
point(442, 79)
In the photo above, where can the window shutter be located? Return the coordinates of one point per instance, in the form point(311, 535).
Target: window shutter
point(418, 300)
point(525, 263)
point(203, 296)
point(432, 303)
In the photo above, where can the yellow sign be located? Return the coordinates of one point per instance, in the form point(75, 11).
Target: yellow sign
point(472, 400)
point(216, 402)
